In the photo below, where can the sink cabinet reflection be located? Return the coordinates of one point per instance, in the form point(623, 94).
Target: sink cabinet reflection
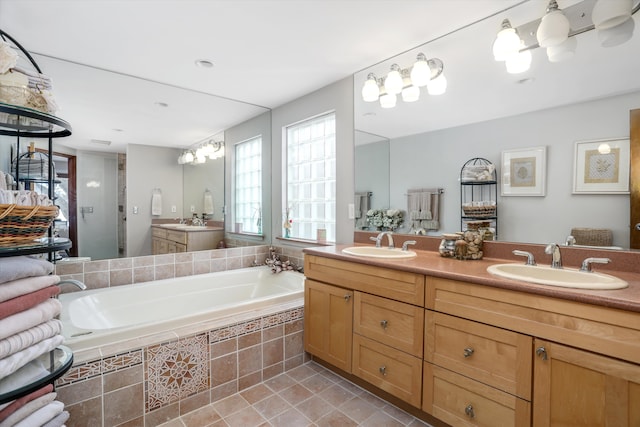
point(168, 240)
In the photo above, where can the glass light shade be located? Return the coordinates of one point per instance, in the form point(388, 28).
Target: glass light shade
point(610, 13)
point(370, 89)
point(410, 93)
point(437, 86)
point(617, 35)
point(553, 29)
point(388, 100)
point(393, 82)
point(604, 148)
point(519, 63)
point(563, 51)
point(507, 43)
point(421, 72)
point(200, 155)
point(188, 157)
point(181, 159)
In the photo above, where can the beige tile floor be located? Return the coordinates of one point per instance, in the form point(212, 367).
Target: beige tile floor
point(308, 395)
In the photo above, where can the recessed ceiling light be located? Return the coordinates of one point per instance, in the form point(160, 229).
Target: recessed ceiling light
point(525, 81)
point(204, 63)
point(162, 104)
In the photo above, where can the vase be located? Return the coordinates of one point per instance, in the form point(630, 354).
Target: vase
point(287, 233)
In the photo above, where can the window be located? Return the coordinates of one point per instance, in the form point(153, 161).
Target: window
point(248, 186)
point(311, 178)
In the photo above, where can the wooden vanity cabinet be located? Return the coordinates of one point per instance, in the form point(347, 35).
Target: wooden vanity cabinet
point(166, 241)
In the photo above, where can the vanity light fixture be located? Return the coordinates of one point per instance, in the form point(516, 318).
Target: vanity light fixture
point(557, 30)
point(406, 82)
point(210, 149)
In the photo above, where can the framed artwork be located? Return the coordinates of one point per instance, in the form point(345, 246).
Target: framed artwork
point(524, 172)
point(601, 167)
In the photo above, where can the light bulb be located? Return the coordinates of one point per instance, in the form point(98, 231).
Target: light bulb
point(421, 72)
point(437, 86)
point(370, 89)
point(188, 157)
point(604, 148)
point(388, 100)
point(507, 42)
point(393, 82)
point(554, 27)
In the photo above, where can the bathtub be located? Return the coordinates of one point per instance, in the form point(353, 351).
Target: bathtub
point(103, 317)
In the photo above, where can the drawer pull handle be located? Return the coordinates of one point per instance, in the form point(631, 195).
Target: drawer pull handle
point(469, 411)
point(384, 324)
point(347, 297)
point(468, 352)
point(541, 352)
point(383, 370)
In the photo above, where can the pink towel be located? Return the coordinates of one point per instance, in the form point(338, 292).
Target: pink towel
point(27, 285)
point(18, 403)
point(19, 267)
point(29, 318)
point(25, 302)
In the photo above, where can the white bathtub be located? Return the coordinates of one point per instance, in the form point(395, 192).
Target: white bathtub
point(106, 316)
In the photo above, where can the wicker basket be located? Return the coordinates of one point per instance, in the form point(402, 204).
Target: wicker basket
point(593, 236)
point(22, 224)
point(479, 211)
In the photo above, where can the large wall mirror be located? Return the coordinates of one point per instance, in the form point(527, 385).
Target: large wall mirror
point(127, 135)
point(486, 111)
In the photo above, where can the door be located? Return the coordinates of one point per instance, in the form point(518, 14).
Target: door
point(634, 177)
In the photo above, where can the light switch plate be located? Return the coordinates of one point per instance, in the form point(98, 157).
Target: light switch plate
point(352, 211)
point(135, 210)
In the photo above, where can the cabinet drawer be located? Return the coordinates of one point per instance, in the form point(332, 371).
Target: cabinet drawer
point(393, 323)
point(158, 232)
point(461, 401)
point(494, 356)
point(394, 284)
point(389, 369)
point(177, 236)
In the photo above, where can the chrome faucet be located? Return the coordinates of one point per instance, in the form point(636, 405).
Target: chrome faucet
point(378, 239)
point(73, 282)
point(405, 245)
point(554, 250)
point(586, 264)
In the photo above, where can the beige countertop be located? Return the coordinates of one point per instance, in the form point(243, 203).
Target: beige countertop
point(190, 228)
point(430, 263)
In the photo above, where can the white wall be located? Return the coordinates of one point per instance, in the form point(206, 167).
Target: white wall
point(336, 97)
point(435, 158)
point(148, 168)
point(198, 178)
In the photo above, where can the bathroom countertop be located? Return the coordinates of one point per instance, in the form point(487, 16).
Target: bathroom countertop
point(430, 263)
point(195, 229)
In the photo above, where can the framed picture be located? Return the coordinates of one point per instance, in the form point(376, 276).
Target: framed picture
point(601, 167)
point(524, 172)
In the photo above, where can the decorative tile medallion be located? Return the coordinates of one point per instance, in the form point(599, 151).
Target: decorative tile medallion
point(176, 370)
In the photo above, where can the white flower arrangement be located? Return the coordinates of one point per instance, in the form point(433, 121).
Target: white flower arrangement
point(8, 57)
point(389, 219)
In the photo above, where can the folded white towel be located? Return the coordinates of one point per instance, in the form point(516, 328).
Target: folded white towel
point(14, 268)
point(42, 415)
point(156, 202)
point(29, 318)
point(16, 288)
point(59, 420)
point(27, 409)
point(29, 373)
point(11, 364)
point(31, 336)
point(208, 203)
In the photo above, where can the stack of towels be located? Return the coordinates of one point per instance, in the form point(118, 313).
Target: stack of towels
point(28, 329)
point(24, 198)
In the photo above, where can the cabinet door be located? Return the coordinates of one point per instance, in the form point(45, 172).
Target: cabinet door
point(577, 388)
point(159, 246)
point(328, 323)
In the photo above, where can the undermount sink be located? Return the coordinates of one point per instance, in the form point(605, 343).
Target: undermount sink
point(373, 252)
point(562, 277)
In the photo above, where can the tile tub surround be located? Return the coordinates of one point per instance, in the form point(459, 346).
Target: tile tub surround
point(158, 382)
point(127, 271)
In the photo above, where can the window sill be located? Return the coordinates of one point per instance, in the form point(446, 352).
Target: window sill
point(306, 241)
point(253, 236)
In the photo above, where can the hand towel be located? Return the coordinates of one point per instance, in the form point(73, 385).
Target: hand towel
point(208, 203)
point(28, 409)
point(14, 268)
point(10, 364)
point(16, 288)
point(29, 318)
point(25, 302)
point(156, 202)
point(59, 420)
point(12, 407)
point(24, 339)
point(42, 415)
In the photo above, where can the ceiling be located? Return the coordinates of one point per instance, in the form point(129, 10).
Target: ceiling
point(113, 61)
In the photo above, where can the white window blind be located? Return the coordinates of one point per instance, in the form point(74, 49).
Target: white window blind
point(248, 185)
point(311, 178)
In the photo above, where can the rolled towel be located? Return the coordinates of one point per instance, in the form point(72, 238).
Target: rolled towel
point(27, 409)
point(14, 268)
point(59, 420)
point(42, 415)
point(29, 318)
point(11, 364)
point(24, 339)
point(27, 285)
point(25, 302)
point(156, 202)
point(12, 407)
point(208, 203)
